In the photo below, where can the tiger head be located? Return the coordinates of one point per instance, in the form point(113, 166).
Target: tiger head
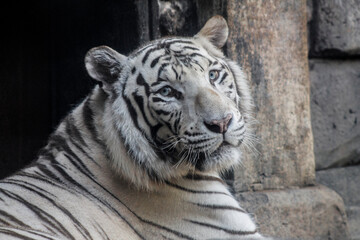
point(174, 105)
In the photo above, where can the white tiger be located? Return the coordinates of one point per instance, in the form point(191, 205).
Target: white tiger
point(140, 157)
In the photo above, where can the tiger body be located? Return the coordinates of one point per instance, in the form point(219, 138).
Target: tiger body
point(140, 157)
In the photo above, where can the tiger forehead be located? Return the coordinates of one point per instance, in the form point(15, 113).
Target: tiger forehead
point(171, 51)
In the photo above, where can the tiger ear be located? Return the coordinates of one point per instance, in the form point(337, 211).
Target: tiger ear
point(104, 64)
point(215, 31)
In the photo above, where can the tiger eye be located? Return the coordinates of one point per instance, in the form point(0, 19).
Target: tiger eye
point(165, 91)
point(213, 75)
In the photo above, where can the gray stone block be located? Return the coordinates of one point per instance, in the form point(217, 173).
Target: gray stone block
point(335, 111)
point(344, 181)
point(268, 38)
point(304, 213)
point(353, 215)
point(335, 27)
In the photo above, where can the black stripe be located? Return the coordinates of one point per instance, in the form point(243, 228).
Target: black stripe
point(40, 234)
point(179, 234)
point(233, 75)
point(42, 215)
point(176, 124)
point(195, 191)
point(198, 177)
point(81, 168)
point(59, 142)
point(4, 223)
point(29, 231)
point(73, 131)
point(83, 189)
point(157, 99)
point(88, 118)
point(81, 228)
point(147, 221)
point(141, 219)
point(155, 61)
point(230, 231)
point(201, 67)
point(140, 102)
point(83, 151)
point(174, 70)
point(162, 112)
point(23, 184)
point(161, 68)
point(44, 169)
point(131, 111)
point(239, 128)
point(158, 81)
point(141, 81)
point(149, 51)
point(197, 54)
point(172, 41)
point(220, 207)
point(223, 77)
point(41, 178)
point(13, 219)
point(139, 50)
point(191, 48)
point(71, 180)
point(15, 234)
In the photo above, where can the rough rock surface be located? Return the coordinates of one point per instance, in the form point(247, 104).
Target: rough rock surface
point(268, 38)
point(353, 216)
point(345, 181)
point(305, 213)
point(335, 28)
point(335, 112)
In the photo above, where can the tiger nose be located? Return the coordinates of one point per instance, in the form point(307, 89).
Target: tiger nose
point(219, 126)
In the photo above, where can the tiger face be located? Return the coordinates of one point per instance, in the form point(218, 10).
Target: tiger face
point(192, 100)
point(188, 105)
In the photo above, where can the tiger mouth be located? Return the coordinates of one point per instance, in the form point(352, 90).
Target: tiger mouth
point(223, 145)
point(203, 157)
point(198, 157)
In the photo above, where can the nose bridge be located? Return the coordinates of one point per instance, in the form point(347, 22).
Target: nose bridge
point(210, 104)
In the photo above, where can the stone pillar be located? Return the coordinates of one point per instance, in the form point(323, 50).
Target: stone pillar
point(269, 40)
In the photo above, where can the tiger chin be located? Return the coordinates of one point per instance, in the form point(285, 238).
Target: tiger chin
point(140, 157)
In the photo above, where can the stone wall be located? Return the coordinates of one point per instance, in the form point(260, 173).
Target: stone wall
point(334, 34)
point(278, 184)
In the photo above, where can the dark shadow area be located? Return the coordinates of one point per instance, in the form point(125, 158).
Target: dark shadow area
point(42, 66)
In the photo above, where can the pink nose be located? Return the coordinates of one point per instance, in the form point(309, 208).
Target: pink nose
point(221, 125)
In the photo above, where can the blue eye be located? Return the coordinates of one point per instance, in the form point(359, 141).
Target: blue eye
point(165, 91)
point(213, 75)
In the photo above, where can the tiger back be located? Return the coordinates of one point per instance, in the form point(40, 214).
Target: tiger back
point(140, 157)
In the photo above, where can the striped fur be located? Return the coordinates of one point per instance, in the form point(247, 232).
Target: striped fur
point(140, 157)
